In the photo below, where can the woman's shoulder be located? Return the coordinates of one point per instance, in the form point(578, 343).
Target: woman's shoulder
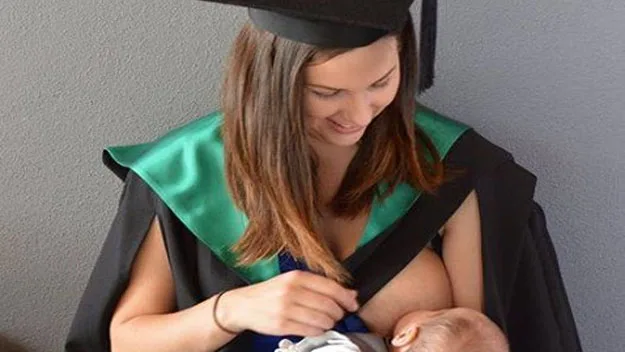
point(184, 169)
point(180, 167)
point(441, 130)
point(458, 143)
point(182, 172)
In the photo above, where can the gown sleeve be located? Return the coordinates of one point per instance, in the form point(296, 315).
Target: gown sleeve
point(197, 273)
point(110, 275)
point(523, 289)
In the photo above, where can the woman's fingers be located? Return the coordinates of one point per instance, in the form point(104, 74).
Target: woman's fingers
point(314, 300)
point(330, 288)
point(297, 302)
point(308, 316)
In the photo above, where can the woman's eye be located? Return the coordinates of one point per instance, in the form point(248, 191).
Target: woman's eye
point(381, 84)
point(326, 94)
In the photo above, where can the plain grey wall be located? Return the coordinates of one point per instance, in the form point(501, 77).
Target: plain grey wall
point(544, 79)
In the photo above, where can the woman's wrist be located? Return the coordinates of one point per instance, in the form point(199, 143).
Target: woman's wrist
point(224, 312)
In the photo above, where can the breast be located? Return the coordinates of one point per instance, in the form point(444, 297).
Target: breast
point(422, 285)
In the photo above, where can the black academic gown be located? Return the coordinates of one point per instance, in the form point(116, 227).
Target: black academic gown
point(524, 293)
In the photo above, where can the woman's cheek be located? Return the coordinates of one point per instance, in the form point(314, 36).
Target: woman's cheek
point(390, 93)
point(317, 109)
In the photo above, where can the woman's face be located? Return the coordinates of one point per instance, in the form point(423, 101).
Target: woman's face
point(344, 94)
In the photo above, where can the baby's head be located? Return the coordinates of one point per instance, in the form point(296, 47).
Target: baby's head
point(449, 330)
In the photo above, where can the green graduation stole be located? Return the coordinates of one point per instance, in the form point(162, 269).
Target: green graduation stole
point(185, 168)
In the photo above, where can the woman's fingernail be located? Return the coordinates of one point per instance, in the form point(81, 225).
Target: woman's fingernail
point(404, 337)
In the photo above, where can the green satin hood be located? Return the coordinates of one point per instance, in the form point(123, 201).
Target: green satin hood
point(185, 168)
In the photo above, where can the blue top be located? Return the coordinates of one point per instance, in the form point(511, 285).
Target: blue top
point(267, 343)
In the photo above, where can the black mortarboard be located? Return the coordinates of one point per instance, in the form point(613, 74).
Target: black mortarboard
point(345, 24)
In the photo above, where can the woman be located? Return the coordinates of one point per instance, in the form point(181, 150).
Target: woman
point(330, 210)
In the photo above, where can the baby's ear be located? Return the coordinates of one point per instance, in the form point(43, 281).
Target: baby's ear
point(406, 336)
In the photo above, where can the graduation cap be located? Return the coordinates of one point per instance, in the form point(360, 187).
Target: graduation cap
point(345, 24)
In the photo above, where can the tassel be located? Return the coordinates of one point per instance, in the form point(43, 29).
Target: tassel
point(427, 45)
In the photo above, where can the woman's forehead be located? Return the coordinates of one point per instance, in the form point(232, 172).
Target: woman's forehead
point(356, 67)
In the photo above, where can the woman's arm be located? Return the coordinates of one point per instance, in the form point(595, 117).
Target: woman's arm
point(462, 254)
point(143, 321)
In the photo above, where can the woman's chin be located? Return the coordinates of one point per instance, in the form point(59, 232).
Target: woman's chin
point(343, 140)
point(343, 143)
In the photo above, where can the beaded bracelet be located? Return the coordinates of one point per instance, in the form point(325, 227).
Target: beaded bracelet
point(215, 315)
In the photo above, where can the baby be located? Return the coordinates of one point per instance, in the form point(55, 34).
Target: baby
point(447, 330)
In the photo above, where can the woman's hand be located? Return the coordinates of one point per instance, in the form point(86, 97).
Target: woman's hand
point(294, 303)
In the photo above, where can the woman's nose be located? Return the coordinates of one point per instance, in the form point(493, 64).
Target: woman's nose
point(360, 109)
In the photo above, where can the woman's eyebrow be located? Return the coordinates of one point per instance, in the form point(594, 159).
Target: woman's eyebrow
point(377, 81)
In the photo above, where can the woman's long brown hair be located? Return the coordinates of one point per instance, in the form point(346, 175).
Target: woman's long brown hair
point(271, 169)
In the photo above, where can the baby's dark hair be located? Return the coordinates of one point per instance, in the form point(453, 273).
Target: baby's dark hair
point(460, 332)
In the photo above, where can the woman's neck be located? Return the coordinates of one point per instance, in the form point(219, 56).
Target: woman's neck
point(332, 164)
